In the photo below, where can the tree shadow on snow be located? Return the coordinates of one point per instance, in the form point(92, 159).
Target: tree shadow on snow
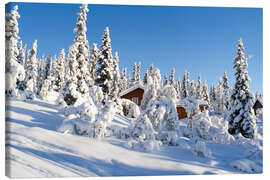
point(43, 119)
point(87, 166)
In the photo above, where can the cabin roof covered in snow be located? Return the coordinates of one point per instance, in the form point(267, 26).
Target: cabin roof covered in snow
point(132, 88)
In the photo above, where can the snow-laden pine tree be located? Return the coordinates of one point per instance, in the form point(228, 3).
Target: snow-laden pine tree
point(220, 95)
point(213, 99)
point(31, 72)
point(227, 91)
point(151, 69)
point(185, 86)
point(60, 71)
point(14, 71)
point(48, 67)
point(192, 90)
point(116, 77)
point(178, 88)
point(104, 71)
point(145, 77)
point(171, 79)
point(199, 88)
point(134, 73)
point(241, 115)
point(41, 73)
point(53, 73)
point(69, 90)
point(123, 80)
point(205, 93)
point(138, 73)
point(82, 56)
point(153, 85)
point(165, 80)
point(21, 56)
point(93, 61)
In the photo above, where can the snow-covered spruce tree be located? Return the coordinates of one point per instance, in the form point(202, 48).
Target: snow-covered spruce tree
point(105, 65)
point(116, 77)
point(93, 61)
point(178, 88)
point(41, 73)
point(227, 91)
point(213, 94)
point(165, 80)
point(138, 74)
point(14, 71)
point(128, 81)
point(151, 69)
point(21, 56)
point(82, 56)
point(31, 72)
point(145, 77)
point(123, 80)
point(60, 71)
point(220, 95)
point(199, 88)
point(205, 93)
point(69, 89)
point(48, 67)
point(241, 115)
point(20, 84)
point(185, 86)
point(134, 73)
point(153, 85)
point(192, 90)
point(53, 73)
point(171, 79)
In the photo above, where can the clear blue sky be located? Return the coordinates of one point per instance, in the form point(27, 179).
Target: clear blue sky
point(197, 39)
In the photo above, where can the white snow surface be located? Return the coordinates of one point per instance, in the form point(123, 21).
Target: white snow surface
point(34, 148)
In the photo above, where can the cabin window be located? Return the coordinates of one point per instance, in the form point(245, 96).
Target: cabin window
point(135, 100)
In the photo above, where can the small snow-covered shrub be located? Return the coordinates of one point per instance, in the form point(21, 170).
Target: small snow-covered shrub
point(97, 94)
point(103, 119)
point(75, 125)
point(144, 135)
point(129, 108)
point(199, 125)
point(201, 150)
point(80, 117)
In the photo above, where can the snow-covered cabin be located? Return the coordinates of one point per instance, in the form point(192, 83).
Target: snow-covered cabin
point(134, 93)
point(257, 105)
point(187, 107)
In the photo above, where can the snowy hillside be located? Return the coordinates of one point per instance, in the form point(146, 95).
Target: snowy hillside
point(35, 149)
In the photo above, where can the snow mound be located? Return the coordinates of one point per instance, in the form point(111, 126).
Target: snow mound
point(246, 166)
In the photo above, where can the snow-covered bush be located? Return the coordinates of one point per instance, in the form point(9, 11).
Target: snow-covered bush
point(82, 113)
point(129, 108)
point(199, 125)
point(75, 125)
point(200, 149)
point(104, 118)
point(45, 88)
point(97, 94)
point(144, 135)
point(219, 131)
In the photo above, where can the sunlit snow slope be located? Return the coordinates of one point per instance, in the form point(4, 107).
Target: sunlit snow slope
point(35, 149)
